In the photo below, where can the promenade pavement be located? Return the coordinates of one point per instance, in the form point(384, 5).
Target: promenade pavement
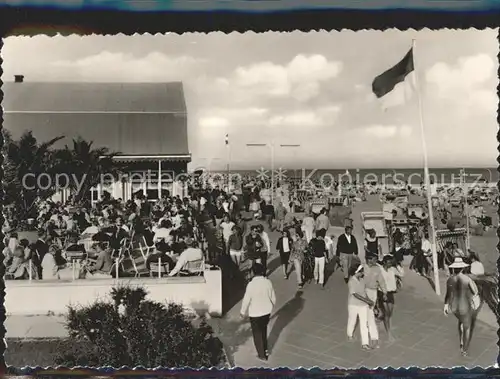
point(308, 327)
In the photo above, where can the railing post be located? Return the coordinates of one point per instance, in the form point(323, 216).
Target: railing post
point(117, 269)
point(159, 267)
point(30, 267)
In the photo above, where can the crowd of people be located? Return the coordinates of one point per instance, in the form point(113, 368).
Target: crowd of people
point(177, 233)
point(373, 284)
point(175, 230)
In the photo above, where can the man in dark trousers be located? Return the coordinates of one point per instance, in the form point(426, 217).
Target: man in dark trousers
point(257, 304)
point(347, 248)
point(40, 248)
point(319, 251)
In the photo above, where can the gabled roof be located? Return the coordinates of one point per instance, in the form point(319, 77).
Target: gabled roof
point(130, 118)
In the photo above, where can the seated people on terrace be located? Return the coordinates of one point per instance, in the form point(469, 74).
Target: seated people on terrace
point(50, 267)
point(17, 264)
point(191, 254)
point(120, 225)
point(91, 230)
point(74, 246)
point(163, 234)
point(103, 266)
point(81, 219)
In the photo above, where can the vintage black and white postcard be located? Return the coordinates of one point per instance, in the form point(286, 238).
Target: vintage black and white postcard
point(269, 200)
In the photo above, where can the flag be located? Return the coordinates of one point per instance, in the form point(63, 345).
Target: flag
point(227, 139)
point(395, 86)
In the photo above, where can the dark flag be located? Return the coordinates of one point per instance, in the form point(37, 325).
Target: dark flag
point(385, 82)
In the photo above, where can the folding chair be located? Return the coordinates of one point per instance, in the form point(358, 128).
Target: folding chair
point(196, 267)
point(145, 248)
point(158, 268)
point(125, 256)
point(138, 259)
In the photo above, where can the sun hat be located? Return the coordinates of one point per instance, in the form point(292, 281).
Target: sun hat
point(458, 263)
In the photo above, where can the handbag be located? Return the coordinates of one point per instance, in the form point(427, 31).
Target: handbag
point(399, 283)
point(476, 299)
point(475, 302)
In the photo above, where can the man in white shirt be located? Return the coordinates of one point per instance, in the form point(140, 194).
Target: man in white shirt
point(191, 254)
point(322, 221)
point(427, 253)
point(308, 225)
point(266, 249)
point(329, 246)
point(258, 303)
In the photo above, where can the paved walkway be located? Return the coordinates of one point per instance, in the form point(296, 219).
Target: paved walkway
point(308, 328)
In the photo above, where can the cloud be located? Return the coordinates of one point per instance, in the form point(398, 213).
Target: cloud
point(471, 83)
point(307, 118)
point(213, 122)
point(110, 66)
point(387, 131)
point(300, 78)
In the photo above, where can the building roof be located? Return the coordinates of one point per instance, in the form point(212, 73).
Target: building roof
point(93, 97)
point(128, 118)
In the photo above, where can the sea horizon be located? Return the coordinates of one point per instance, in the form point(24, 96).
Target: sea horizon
point(412, 175)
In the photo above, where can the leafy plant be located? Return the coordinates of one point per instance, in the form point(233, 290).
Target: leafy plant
point(26, 160)
point(134, 331)
point(85, 165)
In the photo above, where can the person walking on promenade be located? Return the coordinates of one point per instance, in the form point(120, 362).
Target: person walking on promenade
point(322, 221)
point(372, 245)
point(426, 248)
point(297, 255)
point(268, 214)
point(235, 245)
point(347, 247)
point(375, 283)
point(358, 305)
point(462, 299)
point(391, 273)
point(280, 213)
point(318, 249)
point(253, 245)
point(329, 247)
point(284, 247)
point(258, 303)
point(308, 225)
point(266, 248)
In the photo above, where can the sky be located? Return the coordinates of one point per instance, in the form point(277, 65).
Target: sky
point(307, 89)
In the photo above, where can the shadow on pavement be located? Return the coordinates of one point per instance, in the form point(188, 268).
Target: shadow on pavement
point(284, 316)
point(233, 283)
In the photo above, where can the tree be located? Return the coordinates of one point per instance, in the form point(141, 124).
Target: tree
point(29, 169)
point(85, 166)
point(133, 331)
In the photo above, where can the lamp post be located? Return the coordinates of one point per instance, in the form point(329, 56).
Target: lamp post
point(294, 146)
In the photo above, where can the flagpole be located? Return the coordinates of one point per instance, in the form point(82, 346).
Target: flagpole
point(466, 208)
point(437, 285)
point(228, 160)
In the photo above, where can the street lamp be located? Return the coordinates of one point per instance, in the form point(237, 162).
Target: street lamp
point(294, 155)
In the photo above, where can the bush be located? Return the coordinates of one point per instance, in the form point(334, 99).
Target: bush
point(133, 331)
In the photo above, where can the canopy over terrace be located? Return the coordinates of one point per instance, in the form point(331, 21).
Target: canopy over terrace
point(144, 124)
point(149, 175)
